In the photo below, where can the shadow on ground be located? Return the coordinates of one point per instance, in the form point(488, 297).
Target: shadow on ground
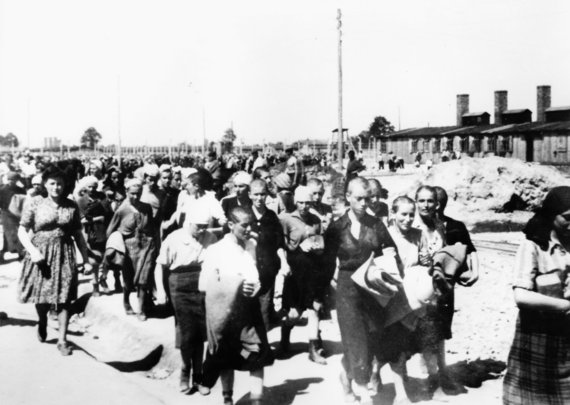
point(144, 364)
point(17, 322)
point(285, 393)
point(469, 374)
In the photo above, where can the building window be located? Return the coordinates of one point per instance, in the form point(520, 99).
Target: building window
point(507, 144)
point(492, 144)
point(436, 145)
point(449, 144)
point(420, 147)
point(383, 146)
point(464, 144)
point(414, 146)
point(476, 144)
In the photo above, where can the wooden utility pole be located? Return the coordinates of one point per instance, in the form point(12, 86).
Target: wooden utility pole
point(119, 121)
point(340, 131)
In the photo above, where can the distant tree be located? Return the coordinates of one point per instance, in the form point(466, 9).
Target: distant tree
point(90, 138)
point(380, 127)
point(228, 140)
point(9, 140)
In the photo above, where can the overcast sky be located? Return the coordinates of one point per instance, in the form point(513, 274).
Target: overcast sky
point(268, 67)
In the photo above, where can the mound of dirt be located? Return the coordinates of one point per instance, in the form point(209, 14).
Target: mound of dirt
point(494, 183)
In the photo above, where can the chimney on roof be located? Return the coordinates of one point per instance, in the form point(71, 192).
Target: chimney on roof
point(542, 102)
point(501, 105)
point(462, 107)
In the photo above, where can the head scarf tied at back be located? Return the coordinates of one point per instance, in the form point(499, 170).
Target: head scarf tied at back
point(538, 229)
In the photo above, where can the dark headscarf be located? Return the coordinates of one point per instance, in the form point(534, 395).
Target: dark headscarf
point(539, 227)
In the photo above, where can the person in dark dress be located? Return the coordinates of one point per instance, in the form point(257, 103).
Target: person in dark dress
point(305, 287)
point(10, 220)
point(95, 212)
point(353, 167)
point(352, 239)
point(455, 232)
point(268, 232)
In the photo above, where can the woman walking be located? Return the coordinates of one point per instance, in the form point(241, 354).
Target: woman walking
point(133, 220)
point(49, 275)
point(237, 339)
point(538, 368)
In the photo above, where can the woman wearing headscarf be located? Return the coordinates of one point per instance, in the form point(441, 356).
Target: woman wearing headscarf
point(133, 220)
point(538, 368)
point(306, 285)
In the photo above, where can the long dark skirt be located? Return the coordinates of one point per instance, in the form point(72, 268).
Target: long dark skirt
point(307, 283)
point(538, 369)
point(435, 326)
point(10, 224)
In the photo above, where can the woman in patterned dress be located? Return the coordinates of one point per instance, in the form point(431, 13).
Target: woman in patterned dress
point(134, 221)
point(538, 368)
point(49, 275)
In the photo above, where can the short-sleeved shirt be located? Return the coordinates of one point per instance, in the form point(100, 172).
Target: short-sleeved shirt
point(180, 249)
point(531, 262)
point(206, 203)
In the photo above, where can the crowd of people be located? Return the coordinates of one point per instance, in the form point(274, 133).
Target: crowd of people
point(211, 243)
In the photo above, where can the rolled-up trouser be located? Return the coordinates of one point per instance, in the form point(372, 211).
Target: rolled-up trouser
point(360, 319)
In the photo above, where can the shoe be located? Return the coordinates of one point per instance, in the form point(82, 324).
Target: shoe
point(42, 332)
point(314, 354)
point(95, 292)
point(103, 286)
point(449, 385)
point(64, 348)
point(184, 381)
point(141, 316)
point(128, 309)
point(375, 383)
point(228, 397)
point(202, 389)
point(346, 387)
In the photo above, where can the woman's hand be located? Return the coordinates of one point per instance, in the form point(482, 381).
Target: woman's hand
point(425, 258)
point(249, 288)
point(36, 256)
